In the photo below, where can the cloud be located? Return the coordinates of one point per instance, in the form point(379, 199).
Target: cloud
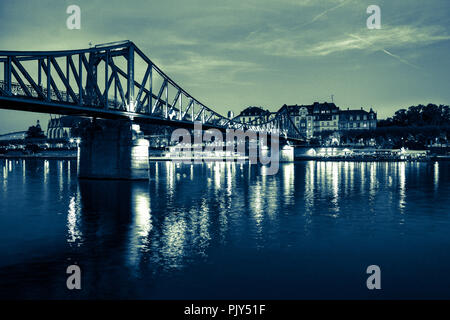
point(199, 68)
point(372, 40)
point(386, 52)
point(283, 42)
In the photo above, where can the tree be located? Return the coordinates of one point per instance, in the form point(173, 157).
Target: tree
point(400, 118)
point(35, 132)
point(429, 115)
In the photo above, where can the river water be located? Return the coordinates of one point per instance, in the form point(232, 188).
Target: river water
point(225, 230)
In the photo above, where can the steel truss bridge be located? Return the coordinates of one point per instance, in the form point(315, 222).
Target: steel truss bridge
point(113, 81)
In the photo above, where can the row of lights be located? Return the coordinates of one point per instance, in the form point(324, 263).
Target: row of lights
point(77, 140)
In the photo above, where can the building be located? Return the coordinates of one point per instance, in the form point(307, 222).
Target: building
point(302, 117)
point(62, 127)
point(253, 115)
point(327, 117)
point(357, 120)
point(315, 118)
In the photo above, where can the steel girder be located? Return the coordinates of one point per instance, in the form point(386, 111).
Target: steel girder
point(76, 89)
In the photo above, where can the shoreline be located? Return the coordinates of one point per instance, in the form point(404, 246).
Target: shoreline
point(40, 156)
point(72, 156)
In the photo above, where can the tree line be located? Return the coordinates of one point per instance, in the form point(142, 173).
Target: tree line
point(429, 115)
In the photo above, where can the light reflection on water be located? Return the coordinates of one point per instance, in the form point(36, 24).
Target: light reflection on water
point(74, 233)
point(190, 220)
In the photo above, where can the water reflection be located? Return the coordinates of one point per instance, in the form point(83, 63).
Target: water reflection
point(309, 187)
point(24, 176)
point(173, 239)
point(74, 233)
point(436, 175)
point(402, 185)
point(46, 171)
point(189, 215)
point(288, 182)
point(141, 225)
point(373, 180)
point(5, 171)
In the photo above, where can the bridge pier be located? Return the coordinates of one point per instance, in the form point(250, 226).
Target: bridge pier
point(113, 150)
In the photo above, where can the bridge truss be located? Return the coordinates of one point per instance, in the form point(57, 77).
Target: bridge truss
point(115, 80)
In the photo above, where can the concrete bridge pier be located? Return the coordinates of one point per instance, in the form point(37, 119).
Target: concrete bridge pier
point(113, 150)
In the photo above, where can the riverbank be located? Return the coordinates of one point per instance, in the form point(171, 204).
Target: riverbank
point(72, 155)
point(47, 155)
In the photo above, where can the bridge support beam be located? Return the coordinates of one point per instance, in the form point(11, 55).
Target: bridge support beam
point(113, 150)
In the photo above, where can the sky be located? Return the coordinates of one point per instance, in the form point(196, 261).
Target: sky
point(231, 54)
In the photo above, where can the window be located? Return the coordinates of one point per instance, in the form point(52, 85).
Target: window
point(357, 117)
point(365, 117)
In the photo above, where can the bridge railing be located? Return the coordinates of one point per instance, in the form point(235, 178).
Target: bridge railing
point(17, 90)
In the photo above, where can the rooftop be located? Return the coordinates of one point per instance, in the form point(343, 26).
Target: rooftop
point(253, 111)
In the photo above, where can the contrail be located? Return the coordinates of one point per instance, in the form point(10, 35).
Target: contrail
point(324, 13)
point(386, 51)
